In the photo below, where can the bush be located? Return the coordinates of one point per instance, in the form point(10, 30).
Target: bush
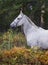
point(10, 39)
point(22, 56)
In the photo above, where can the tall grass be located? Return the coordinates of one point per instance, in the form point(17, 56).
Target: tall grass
point(10, 39)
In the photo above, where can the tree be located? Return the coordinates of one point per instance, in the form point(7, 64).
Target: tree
point(9, 9)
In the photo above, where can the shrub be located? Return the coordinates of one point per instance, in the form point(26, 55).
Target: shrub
point(10, 39)
point(20, 55)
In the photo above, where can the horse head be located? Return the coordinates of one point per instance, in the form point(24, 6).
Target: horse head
point(18, 21)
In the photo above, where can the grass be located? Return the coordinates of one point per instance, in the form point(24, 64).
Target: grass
point(14, 51)
point(10, 39)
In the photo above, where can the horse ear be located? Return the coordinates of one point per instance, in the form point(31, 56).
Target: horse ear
point(21, 12)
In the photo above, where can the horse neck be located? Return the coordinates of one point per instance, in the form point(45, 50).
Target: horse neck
point(28, 28)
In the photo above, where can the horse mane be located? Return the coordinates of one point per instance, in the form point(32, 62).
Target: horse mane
point(31, 21)
point(28, 19)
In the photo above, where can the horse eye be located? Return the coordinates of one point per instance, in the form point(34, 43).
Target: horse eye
point(18, 18)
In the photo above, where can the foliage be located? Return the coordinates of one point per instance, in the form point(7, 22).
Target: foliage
point(11, 39)
point(9, 9)
point(22, 56)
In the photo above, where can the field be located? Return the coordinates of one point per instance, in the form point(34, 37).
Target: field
point(14, 51)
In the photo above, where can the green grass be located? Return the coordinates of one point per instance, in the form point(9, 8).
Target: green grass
point(10, 39)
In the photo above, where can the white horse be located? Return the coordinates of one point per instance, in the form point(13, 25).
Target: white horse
point(35, 36)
